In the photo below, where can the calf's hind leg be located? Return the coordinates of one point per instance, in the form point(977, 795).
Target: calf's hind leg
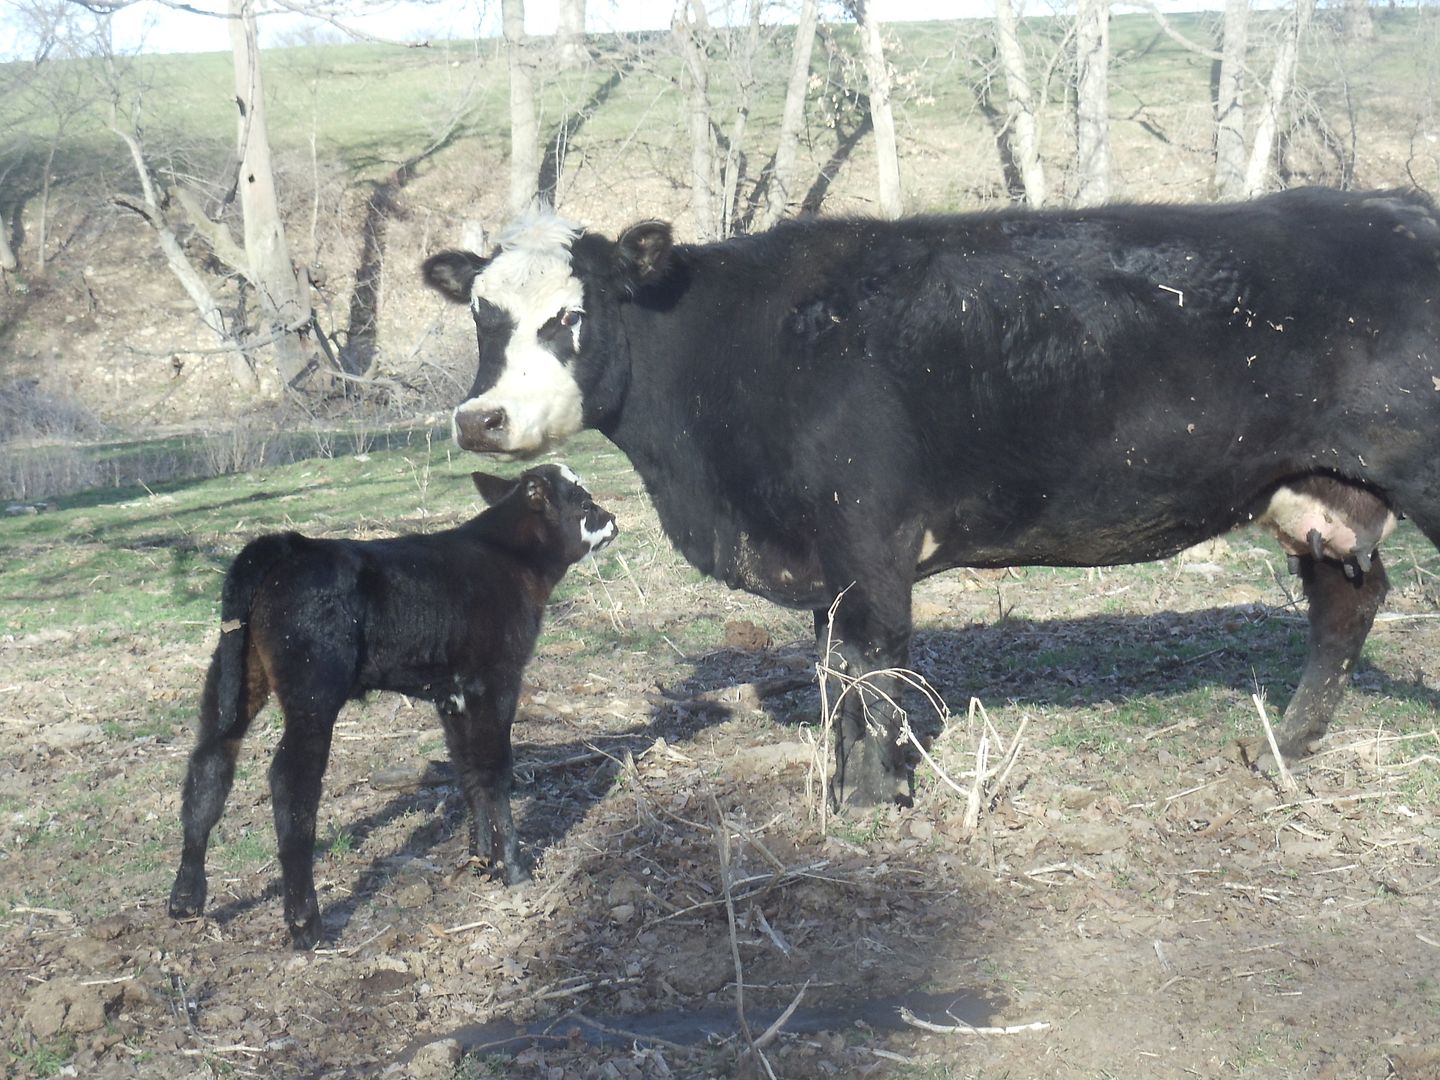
point(295, 779)
point(208, 780)
point(1342, 610)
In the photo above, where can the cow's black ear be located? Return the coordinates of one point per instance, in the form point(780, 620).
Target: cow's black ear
point(452, 273)
point(645, 251)
point(492, 489)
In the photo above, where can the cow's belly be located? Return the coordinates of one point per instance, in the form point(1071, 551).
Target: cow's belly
point(785, 577)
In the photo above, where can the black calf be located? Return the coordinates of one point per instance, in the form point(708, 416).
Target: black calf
point(450, 617)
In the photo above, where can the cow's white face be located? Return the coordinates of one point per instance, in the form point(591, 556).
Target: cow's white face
point(529, 308)
point(528, 301)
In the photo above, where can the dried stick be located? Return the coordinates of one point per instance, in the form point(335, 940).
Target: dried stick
point(963, 1028)
point(1287, 782)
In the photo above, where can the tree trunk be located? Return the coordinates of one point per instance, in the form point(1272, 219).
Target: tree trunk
point(877, 73)
point(284, 300)
point(1357, 22)
point(702, 151)
point(1282, 75)
point(41, 239)
point(1021, 120)
point(1230, 104)
point(1092, 101)
point(570, 34)
point(783, 193)
point(745, 75)
point(524, 120)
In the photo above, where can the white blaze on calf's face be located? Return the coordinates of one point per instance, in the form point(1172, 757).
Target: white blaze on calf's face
point(532, 282)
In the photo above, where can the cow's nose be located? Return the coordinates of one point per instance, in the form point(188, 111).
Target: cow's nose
point(493, 420)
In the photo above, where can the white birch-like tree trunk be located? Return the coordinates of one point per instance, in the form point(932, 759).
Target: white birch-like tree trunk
point(783, 193)
point(1020, 112)
point(1092, 101)
point(1230, 150)
point(284, 302)
point(687, 33)
point(745, 76)
point(570, 34)
point(877, 74)
point(1277, 90)
point(524, 119)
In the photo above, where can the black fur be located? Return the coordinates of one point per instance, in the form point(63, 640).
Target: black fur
point(450, 617)
point(814, 407)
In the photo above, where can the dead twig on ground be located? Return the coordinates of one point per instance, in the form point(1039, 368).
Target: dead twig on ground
point(1287, 782)
point(962, 1028)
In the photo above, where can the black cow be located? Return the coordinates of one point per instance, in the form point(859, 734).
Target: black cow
point(857, 403)
point(450, 617)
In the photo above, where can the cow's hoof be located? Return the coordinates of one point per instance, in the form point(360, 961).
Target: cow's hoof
point(516, 875)
point(1256, 754)
point(879, 791)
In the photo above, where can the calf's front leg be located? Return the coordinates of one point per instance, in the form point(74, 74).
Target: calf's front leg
point(477, 734)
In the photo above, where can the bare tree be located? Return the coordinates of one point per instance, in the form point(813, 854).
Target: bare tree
point(784, 193)
point(1021, 119)
point(877, 72)
point(744, 66)
point(1092, 101)
point(570, 33)
point(691, 31)
point(1277, 89)
point(524, 116)
point(1230, 148)
point(282, 292)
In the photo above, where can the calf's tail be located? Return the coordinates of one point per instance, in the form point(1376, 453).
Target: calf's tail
point(237, 599)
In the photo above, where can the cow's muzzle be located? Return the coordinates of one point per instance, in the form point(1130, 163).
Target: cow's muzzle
point(484, 430)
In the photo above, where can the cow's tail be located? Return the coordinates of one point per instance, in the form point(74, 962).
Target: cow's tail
point(222, 711)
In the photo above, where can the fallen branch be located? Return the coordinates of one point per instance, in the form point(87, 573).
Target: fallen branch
point(1287, 782)
point(963, 1028)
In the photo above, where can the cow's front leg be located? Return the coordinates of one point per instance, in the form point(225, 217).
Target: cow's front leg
point(1342, 610)
point(477, 732)
point(871, 765)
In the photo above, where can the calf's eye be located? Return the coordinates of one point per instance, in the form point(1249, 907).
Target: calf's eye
point(570, 318)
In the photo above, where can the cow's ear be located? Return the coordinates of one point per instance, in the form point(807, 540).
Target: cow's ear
point(645, 252)
point(452, 273)
point(492, 489)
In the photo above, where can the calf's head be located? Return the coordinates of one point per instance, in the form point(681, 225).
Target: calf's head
point(545, 304)
point(547, 512)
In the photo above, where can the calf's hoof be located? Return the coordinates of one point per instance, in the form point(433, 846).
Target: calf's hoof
point(306, 935)
point(187, 899)
point(516, 874)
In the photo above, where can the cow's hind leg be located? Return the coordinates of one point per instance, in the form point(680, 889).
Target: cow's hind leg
point(477, 734)
point(208, 780)
point(1342, 610)
point(296, 773)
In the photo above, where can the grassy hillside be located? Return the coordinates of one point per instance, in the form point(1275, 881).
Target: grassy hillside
point(105, 330)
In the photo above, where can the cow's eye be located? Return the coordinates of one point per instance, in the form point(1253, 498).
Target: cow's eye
point(570, 317)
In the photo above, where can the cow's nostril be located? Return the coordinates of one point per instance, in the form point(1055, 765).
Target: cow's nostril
point(493, 420)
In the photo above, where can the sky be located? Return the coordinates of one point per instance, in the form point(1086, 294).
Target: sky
point(156, 28)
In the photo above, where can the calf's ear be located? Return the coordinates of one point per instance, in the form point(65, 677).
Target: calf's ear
point(537, 493)
point(645, 249)
point(492, 488)
point(452, 273)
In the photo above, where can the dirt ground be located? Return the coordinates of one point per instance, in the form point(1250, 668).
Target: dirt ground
point(1133, 901)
